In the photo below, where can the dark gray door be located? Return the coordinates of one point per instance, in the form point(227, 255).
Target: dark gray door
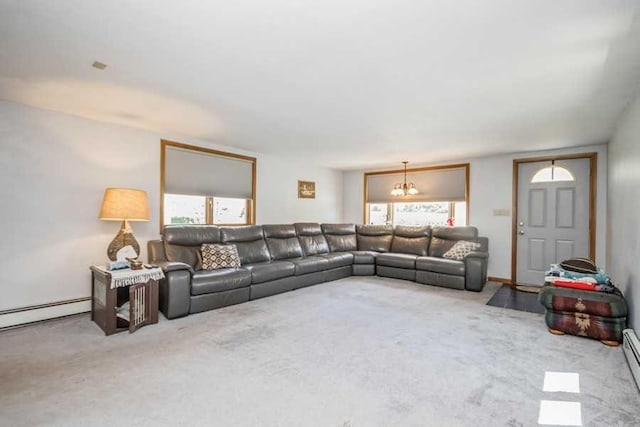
point(553, 216)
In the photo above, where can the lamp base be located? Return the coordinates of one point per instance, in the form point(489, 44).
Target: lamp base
point(122, 239)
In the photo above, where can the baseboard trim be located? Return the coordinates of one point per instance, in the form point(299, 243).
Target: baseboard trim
point(500, 280)
point(35, 313)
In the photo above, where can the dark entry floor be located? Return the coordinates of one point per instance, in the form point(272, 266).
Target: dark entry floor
point(509, 297)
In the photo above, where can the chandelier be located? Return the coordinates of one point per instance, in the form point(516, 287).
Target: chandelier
point(404, 189)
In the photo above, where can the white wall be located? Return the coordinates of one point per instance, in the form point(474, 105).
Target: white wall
point(491, 186)
point(278, 192)
point(53, 171)
point(624, 210)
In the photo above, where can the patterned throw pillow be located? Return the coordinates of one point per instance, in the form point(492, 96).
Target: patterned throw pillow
point(215, 257)
point(461, 249)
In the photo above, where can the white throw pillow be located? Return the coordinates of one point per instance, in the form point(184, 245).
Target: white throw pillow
point(461, 249)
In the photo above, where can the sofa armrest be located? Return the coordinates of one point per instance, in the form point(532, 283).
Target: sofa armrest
point(168, 266)
point(476, 270)
point(482, 255)
point(175, 289)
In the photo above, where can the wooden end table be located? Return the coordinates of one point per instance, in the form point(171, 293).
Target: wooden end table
point(105, 300)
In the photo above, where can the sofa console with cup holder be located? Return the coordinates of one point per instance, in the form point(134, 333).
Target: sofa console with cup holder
point(265, 260)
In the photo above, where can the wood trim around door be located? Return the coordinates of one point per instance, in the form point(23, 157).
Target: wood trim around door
point(593, 182)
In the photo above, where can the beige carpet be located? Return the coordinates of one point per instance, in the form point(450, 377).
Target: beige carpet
point(355, 352)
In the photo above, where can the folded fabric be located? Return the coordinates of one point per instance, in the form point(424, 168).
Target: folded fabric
point(585, 286)
point(600, 277)
point(554, 279)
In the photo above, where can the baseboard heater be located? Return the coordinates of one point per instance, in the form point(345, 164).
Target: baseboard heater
point(20, 316)
point(631, 347)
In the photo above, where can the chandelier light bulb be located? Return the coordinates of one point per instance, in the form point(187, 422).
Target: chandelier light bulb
point(404, 189)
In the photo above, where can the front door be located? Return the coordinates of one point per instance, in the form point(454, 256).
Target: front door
point(553, 216)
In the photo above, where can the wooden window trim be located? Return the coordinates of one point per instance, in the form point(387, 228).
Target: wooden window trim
point(467, 172)
point(248, 208)
point(251, 203)
point(390, 211)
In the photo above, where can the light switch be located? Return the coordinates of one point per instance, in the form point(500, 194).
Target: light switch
point(501, 212)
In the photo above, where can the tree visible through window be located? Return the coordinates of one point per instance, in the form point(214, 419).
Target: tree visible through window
point(184, 209)
point(229, 211)
point(201, 185)
point(181, 209)
point(418, 213)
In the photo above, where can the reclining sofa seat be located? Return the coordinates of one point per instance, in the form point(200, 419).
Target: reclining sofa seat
point(269, 275)
point(407, 244)
point(283, 244)
point(187, 288)
point(341, 239)
point(314, 243)
point(470, 273)
point(372, 240)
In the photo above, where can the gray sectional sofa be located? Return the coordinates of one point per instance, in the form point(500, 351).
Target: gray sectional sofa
point(280, 258)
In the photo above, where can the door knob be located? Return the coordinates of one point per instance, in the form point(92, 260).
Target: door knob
point(521, 224)
point(521, 232)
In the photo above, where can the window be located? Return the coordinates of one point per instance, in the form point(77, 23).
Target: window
point(418, 214)
point(379, 213)
point(442, 197)
point(203, 186)
point(180, 209)
point(229, 211)
point(552, 174)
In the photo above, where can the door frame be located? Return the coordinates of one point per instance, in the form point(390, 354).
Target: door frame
point(593, 181)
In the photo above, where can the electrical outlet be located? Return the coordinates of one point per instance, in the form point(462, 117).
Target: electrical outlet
point(501, 212)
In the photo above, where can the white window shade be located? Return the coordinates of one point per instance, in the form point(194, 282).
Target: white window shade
point(434, 185)
point(204, 174)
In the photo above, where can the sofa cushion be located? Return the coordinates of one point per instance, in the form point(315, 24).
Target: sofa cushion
point(191, 235)
point(461, 249)
point(267, 271)
point(247, 233)
point(311, 238)
point(397, 260)
point(456, 233)
point(282, 241)
point(215, 256)
point(339, 259)
point(416, 245)
point(364, 257)
point(410, 231)
point(182, 242)
point(340, 237)
point(411, 240)
point(438, 247)
point(250, 242)
point(186, 254)
point(375, 238)
point(310, 264)
point(207, 282)
point(440, 265)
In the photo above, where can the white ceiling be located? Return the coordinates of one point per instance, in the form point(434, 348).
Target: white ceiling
point(347, 83)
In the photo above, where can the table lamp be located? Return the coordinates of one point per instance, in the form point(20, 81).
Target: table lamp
point(124, 204)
